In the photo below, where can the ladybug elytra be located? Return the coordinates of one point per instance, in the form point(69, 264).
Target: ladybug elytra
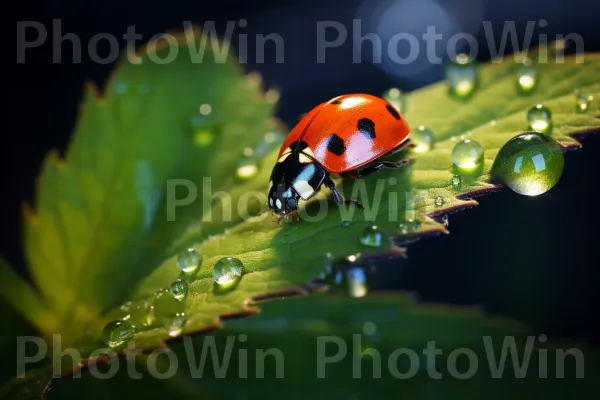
point(340, 136)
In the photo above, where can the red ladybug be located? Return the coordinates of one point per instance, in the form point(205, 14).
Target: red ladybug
point(336, 137)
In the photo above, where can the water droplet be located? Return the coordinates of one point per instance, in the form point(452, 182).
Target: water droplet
point(174, 323)
point(179, 289)
point(189, 260)
point(372, 236)
point(526, 77)
point(409, 226)
point(396, 98)
point(583, 102)
point(439, 201)
point(116, 333)
point(423, 138)
point(247, 168)
point(203, 137)
point(205, 109)
point(456, 181)
point(530, 163)
point(462, 76)
point(353, 275)
point(467, 155)
point(540, 118)
point(227, 270)
point(346, 224)
point(369, 328)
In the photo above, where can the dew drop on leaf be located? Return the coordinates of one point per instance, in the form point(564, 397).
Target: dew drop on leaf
point(189, 260)
point(372, 236)
point(539, 118)
point(583, 102)
point(116, 333)
point(467, 155)
point(346, 224)
point(227, 271)
point(527, 77)
point(174, 323)
point(439, 201)
point(396, 98)
point(530, 163)
point(247, 168)
point(462, 76)
point(179, 289)
point(423, 138)
point(456, 181)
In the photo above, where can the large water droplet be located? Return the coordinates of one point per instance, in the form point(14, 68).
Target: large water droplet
point(174, 323)
point(372, 236)
point(540, 118)
point(583, 102)
point(423, 138)
point(530, 163)
point(227, 271)
point(116, 333)
point(189, 260)
point(527, 77)
point(462, 76)
point(467, 155)
point(179, 289)
point(396, 98)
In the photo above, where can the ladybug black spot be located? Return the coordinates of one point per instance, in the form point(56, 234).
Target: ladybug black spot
point(393, 111)
point(335, 144)
point(336, 101)
point(366, 127)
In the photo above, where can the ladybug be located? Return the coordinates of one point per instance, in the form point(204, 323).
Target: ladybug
point(340, 136)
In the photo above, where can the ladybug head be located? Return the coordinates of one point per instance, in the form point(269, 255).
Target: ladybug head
point(283, 198)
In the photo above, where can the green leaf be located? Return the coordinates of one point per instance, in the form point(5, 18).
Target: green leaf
point(22, 297)
point(301, 338)
point(285, 257)
point(101, 216)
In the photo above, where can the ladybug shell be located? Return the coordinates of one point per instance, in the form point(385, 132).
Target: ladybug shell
point(348, 132)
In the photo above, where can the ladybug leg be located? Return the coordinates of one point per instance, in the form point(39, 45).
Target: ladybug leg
point(376, 167)
point(337, 196)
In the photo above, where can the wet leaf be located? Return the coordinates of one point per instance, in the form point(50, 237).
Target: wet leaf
point(103, 235)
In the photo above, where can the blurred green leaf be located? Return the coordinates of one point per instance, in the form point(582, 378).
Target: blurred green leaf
point(301, 338)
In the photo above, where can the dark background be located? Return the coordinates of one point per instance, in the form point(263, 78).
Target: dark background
point(532, 258)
